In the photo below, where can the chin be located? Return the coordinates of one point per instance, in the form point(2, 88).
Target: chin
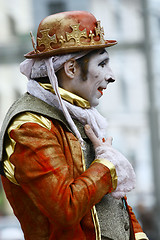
point(94, 104)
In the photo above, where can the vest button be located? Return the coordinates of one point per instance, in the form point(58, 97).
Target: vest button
point(126, 226)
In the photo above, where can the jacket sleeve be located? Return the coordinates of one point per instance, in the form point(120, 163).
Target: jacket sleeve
point(44, 173)
point(137, 230)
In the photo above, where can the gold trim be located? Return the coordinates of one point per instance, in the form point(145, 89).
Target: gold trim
point(96, 223)
point(69, 49)
point(100, 31)
point(83, 161)
point(10, 143)
point(76, 34)
point(112, 169)
point(75, 39)
point(68, 96)
point(9, 171)
point(46, 39)
point(93, 210)
point(29, 117)
point(141, 235)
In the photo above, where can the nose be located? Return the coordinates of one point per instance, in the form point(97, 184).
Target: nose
point(111, 80)
point(110, 76)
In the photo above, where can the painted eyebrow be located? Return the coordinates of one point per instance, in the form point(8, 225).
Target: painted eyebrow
point(103, 51)
point(104, 60)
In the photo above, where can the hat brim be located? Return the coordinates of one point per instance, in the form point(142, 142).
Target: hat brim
point(33, 54)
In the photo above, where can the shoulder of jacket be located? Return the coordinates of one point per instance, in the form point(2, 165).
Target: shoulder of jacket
point(26, 117)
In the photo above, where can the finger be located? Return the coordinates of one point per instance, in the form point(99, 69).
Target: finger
point(89, 132)
point(109, 140)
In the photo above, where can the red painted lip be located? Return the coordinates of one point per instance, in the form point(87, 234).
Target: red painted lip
point(100, 89)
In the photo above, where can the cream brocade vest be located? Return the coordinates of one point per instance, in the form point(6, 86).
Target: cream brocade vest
point(112, 214)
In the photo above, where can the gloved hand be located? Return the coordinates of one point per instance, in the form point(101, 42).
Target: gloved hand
point(125, 173)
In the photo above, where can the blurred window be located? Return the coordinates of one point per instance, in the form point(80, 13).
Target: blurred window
point(55, 7)
point(12, 25)
point(159, 23)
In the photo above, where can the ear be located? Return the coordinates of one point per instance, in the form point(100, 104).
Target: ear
point(70, 68)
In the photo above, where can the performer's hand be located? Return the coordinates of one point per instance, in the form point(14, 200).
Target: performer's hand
point(95, 141)
point(125, 172)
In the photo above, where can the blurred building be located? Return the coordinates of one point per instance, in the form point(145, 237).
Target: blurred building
point(132, 104)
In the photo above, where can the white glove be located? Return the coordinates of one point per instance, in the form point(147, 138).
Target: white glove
point(125, 173)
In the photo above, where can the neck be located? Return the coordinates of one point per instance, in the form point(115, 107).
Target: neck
point(68, 96)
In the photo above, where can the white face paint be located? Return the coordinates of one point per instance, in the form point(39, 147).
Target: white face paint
point(98, 77)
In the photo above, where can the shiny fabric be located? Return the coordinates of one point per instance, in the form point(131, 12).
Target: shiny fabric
point(10, 143)
point(55, 196)
point(36, 212)
point(68, 96)
point(53, 189)
point(110, 213)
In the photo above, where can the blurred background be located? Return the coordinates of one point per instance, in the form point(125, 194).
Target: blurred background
point(131, 105)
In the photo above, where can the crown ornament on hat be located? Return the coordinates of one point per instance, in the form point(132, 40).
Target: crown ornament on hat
point(68, 32)
point(76, 35)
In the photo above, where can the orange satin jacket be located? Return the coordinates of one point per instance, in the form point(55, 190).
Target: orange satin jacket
point(54, 195)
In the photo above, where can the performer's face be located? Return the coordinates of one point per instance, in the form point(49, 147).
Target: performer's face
point(98, 77)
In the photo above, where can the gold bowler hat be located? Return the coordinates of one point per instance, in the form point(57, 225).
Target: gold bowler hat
point(68, 32)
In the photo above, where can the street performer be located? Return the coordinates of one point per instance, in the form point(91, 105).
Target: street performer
point(61, 175)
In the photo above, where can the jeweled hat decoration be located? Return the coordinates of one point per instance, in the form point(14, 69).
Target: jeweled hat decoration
point(66, 32)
